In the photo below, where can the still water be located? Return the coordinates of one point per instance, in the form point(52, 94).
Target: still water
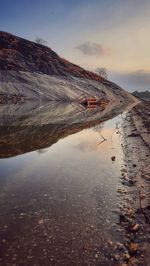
point(57, 204)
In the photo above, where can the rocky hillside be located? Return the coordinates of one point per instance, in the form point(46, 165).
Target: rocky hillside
point(33, 72)
point(20, 54)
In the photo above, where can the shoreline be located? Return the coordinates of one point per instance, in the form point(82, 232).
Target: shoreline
point(134, 209)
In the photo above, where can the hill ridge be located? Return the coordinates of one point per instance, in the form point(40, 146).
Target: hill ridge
point(19, 54)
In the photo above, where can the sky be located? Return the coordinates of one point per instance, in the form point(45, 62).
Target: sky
point(91, 33)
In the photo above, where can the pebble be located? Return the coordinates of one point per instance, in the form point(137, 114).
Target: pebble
point(41, 221)
point(142, 196)
point(22, 214)
point(147, 177)
point(116, 257)
point(113, 158)
point(133, 248)
point(123, 170)
point(120, 190)
point(135, 227)
point(110, 242)
point(126, 256)
point(5, 226)
point(120, 246)
point(134, 261)
point(130, 212)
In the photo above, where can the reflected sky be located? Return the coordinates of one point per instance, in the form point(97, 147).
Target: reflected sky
point(62, 200)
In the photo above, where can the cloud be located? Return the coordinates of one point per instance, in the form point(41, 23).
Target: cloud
point(137, 80)
point(92, 48)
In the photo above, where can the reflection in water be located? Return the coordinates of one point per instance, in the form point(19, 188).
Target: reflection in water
point(28, 127)
point(41, 151)
point(57, 208)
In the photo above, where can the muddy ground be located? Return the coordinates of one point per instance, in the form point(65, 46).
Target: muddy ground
point(134, 187)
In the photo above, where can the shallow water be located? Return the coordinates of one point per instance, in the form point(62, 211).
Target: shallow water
point(58, 203)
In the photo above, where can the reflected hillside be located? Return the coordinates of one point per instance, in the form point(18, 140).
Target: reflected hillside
point(30, 127)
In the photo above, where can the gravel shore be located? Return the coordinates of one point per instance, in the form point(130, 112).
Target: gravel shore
point(135, 187)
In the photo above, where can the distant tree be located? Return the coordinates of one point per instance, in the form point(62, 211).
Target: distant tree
point(102, 72)
point(41, 151)
point(40, 41)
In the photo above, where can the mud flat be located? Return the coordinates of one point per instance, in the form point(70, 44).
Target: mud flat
point(135, 186)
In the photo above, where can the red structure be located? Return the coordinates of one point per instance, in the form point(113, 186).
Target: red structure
point(91, 102)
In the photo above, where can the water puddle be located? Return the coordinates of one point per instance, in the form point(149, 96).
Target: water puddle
point(58, 203)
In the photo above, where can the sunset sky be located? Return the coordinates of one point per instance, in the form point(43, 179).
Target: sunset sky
point(91, 33)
